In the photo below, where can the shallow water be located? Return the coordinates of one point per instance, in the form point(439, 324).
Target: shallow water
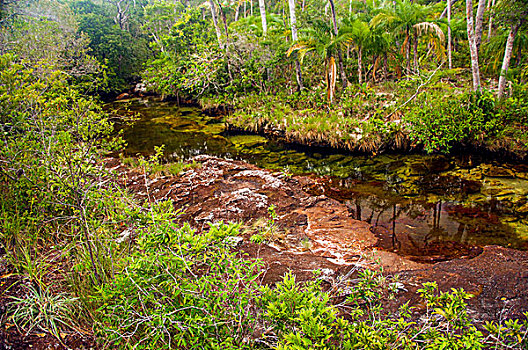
point(428, 207)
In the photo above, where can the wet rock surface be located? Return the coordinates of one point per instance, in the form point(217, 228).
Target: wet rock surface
point(313, 231)
point(497, 277)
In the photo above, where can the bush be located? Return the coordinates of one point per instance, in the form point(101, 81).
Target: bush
point(182, 290)
point(439, 122)
point(304, 317)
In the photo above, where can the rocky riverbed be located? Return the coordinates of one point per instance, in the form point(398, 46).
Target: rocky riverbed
point(310, 231)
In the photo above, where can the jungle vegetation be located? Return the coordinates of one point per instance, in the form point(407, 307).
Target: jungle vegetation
point(364, 75)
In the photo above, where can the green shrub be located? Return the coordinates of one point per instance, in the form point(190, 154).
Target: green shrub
point(181, 290)
point(304, 317)
point(439, 122)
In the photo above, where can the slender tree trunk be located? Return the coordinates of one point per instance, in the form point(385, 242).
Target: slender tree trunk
point(415, 51)
point(215, 22)
point(245, 8)
point(479, 21)
point(360, 65)
point(385, 66)
point(519, 56)
point(507, 56)
point(408, 52)
point(490, 23)
point(444, 13)
point(473, 50)
point(237, 11)
point(262, 8)
point(284, 18)
point(224, 19)
point(303, 5)
point(339, 53)
point(293, 25)
point(251, 8)
point(342, 68)
point(331, 74)
point(449, 54)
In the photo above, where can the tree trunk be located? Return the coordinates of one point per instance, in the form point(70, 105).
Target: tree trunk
point(449, 54)
point(473, 51)
point(237, 11)
point(408, 52)
point(330, 78)
point(444, 13)
point(262, 7)
point(215, 22)
point(519, 56)
point(360, 65)
point(507, 56)
point(342, 68)
point(385, 66)
point(479, 20)
point(224, 19)
point(293, 25)
point(415, 51)
point(245, 8)
point(339, 53)
point(490, 23)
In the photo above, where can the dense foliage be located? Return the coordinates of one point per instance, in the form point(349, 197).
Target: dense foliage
point(91, 259)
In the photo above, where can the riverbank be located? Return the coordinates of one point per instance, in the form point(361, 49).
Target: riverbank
point(440, 118)
point(286, 226)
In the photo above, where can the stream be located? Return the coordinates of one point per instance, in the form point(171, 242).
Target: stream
point(418, 205)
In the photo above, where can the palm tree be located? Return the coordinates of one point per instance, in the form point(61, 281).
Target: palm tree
point(320, 39)
point(408, 19)
point(358, 33)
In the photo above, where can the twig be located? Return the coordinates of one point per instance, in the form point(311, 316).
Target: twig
point(417, 91)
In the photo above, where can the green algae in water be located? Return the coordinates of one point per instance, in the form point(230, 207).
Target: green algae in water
point(242, 141)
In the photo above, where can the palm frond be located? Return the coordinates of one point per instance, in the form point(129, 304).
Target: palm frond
point(383, 19)
point(430, 28)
